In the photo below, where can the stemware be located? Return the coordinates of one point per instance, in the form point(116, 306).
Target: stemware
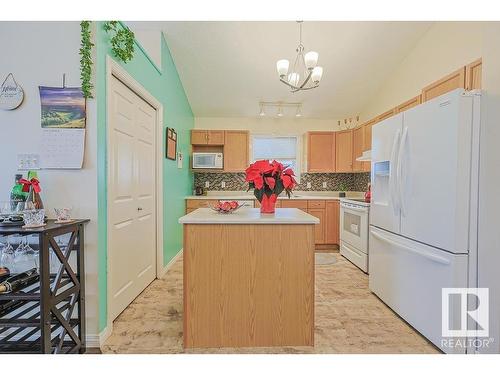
point(8, 254)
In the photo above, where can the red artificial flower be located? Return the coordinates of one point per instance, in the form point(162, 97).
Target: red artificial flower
point(289, 172)
point(271, 182)
point(277, 167)
point(252, 173)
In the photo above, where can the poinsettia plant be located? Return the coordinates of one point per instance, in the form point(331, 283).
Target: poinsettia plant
point(269, 178)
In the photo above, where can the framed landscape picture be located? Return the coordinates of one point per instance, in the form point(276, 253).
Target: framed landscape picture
point(171, 144)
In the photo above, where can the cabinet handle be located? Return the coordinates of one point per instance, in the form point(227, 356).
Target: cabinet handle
point(139, 208)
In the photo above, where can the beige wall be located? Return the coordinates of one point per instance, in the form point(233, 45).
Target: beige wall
point(444, 48)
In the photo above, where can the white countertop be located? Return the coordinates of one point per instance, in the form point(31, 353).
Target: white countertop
point(297, 195)
point(249, 216)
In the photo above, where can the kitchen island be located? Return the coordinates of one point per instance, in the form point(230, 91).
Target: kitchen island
point(248, 278)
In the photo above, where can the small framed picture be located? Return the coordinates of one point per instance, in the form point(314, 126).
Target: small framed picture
point(171, 144)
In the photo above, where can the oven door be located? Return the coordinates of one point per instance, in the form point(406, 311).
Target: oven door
point(354, 226)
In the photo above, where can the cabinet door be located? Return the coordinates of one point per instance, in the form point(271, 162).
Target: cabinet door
point(235, 150)
point(332, 227)
point(473, 75)
point(215, 137)
point(367, 137)
point(452, 81)
point(319, 229)
point(358, 136)
point(409, 104)
point(321, 152)
point(199, 137)
point(343, 151)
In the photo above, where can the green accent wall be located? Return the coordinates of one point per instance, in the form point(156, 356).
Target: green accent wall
point(165, 85)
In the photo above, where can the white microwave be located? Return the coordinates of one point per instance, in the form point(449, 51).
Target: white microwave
point(207, 160)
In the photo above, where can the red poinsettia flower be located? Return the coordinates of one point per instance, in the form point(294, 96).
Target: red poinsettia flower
point(252, 173)
point(288, 181)
point(263, 166)
point(258, 182)
point(289, 172)
point(270, 181)
point(277, 167)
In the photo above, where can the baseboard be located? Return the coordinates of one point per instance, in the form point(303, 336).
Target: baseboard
point(170, 264)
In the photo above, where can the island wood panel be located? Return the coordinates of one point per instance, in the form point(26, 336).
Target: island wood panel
point(248, 285)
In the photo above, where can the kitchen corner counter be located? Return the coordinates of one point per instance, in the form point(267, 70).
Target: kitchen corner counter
point(297, 195)
point(249, 216)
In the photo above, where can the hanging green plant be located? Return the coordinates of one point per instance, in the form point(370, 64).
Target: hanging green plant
point(122, 40)
point(86, 59)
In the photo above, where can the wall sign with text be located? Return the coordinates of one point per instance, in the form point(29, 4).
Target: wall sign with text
point(11, 93)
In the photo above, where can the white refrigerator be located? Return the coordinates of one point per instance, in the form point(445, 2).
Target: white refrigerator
point(423, 223)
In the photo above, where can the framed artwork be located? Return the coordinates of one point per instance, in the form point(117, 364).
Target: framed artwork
point(171, 144)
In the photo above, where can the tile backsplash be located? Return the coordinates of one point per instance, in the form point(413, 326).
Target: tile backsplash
point(236, 181)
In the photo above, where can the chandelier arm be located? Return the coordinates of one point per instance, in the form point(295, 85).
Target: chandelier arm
point(305, 88)
point(306, 80)
point(288, 84)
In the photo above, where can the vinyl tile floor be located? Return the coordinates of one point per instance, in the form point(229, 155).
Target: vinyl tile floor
point(348, 319)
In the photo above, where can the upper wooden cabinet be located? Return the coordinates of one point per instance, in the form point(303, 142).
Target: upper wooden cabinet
point(385, 115)
point(321, 152)
point(236, 144)
point(473, 75)
point(409, 104)
point(358, 136)
point(452, 81)
point(367, 138)
point(343, 151)
point(207, 137)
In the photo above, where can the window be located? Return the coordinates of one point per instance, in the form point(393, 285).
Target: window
point(284, 149)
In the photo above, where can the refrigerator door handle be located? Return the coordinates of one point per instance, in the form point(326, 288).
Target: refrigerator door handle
point(435, 258)
point(400, 171)
point(393, 189)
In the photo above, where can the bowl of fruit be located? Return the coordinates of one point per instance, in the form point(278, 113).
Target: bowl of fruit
point(226, 207)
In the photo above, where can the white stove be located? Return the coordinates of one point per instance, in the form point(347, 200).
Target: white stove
point(354, 226)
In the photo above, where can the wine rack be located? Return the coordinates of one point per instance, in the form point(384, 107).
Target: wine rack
point(48, 316)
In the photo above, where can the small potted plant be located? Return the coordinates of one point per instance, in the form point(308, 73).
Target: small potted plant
point(268, 180)
point(342, 189)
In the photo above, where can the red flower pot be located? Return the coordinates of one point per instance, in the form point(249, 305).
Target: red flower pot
point(268, 204)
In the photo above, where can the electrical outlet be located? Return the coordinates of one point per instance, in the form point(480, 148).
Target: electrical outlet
point(223, 184)
point(308, 185)
point(324, 185)
point(207, 184)
point(28, 161)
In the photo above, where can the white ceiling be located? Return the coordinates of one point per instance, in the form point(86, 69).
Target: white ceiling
point(228, 67)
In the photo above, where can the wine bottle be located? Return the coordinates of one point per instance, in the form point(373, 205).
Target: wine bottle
point(34, 197)
point(10, 305)
point(19, 281)
point(17, 194)
point(4, 273)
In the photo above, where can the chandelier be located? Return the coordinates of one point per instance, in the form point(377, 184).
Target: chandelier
point(305, 75)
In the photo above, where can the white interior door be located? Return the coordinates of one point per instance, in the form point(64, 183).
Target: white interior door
point(131, 196)
point(384, 210)
point(435, 172)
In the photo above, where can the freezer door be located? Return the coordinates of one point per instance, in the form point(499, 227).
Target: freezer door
point(384, 210)
point(435, 168)
point(408, 276)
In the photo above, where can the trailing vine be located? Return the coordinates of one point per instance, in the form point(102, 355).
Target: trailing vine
point(122, 41)
point(86, 59)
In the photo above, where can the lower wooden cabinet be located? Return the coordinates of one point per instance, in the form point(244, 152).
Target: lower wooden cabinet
point(319, 229)
point(332, 223)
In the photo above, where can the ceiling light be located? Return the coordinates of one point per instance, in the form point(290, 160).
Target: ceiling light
point(262, 113)
point(280, 111)
point(299, 112)
point(305, 67)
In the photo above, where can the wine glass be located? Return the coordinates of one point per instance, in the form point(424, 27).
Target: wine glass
point(8, 254)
